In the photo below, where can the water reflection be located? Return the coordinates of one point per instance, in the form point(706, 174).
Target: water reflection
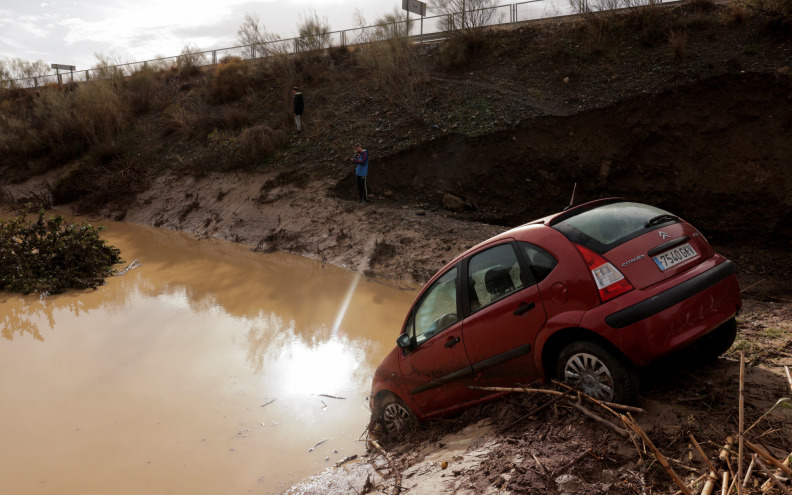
point(162, 380)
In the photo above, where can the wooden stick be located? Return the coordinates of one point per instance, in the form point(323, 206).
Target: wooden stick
point(713, 475)
point(752, 286)
point(396, 472)
point(749, 472)
point(662, 460)
point(544, 470)
point(534, 411)
point(772, 460)
point(725, 483)
point(701, 453)
point(613, 405)
point(769, 484)
point(772, 476)
point(742, 423)
point(607, 405)
point(679, 492)
point(595, 417)
point(710, 484)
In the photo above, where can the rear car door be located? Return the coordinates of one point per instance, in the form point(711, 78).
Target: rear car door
point(505, 313)
point(435, 369)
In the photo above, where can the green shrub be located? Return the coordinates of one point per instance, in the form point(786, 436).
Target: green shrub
point(51, 255)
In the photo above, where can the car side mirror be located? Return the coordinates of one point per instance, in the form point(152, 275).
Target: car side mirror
point(404, 341)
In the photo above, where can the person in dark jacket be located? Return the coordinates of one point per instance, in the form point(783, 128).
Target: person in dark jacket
point(361, 161)
point(299, 106)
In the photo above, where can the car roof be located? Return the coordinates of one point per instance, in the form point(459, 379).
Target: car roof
point(541, 222)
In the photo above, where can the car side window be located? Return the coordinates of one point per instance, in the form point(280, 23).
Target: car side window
point(493, 274)
point(542, 262)
point(437, 309)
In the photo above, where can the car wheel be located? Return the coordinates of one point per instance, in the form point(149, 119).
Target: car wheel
point(395, 416)
point(595, 371)
point(718, 341)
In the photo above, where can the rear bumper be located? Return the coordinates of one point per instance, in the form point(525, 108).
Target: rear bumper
point(670, 298)
point(647, 325)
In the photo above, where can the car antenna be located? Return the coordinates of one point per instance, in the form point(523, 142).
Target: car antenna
point(572, 201)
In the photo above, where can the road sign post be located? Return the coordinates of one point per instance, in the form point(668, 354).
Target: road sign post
point(60, 67)
point(416, 7)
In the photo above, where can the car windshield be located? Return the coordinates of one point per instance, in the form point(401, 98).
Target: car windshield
point(602, 229)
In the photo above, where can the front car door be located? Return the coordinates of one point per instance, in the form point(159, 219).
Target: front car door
point(435, 367)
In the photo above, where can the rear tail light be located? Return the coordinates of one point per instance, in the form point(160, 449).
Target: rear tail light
point(610, 281)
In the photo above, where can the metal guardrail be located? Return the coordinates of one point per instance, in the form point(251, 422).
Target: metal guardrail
point(429, 28)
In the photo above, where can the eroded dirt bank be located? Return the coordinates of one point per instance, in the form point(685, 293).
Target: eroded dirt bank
point(716, 152)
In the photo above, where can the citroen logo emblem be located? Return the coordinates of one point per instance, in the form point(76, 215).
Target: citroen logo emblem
point(663, 235)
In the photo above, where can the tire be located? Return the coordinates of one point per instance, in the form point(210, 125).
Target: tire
point(597, 372)
point(395, 417)
point(718, 341)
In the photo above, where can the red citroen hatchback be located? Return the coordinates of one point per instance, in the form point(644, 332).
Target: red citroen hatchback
point(588, 295)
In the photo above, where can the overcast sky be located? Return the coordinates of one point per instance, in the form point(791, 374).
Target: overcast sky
point(72, 31)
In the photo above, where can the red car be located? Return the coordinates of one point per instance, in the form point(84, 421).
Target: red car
point(588, 295)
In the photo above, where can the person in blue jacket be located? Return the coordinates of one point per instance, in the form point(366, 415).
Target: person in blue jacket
point(361, 160)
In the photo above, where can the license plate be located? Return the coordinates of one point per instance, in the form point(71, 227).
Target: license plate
point(675, 256)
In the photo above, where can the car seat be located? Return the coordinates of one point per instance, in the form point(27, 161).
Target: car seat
point(498, 281)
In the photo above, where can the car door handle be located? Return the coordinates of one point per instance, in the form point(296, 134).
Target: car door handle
point(524, 308)
point(452, 342)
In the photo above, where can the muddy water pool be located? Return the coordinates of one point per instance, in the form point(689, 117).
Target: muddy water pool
point(207, 369)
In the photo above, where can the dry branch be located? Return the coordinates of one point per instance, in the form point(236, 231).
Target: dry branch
point(629, 421)
point(749, 472)
point(771, 476)
point(772, 460)
point(600, 419)
point(396, 472)
point(701, 452)
point(612, 405)
point(713, 475)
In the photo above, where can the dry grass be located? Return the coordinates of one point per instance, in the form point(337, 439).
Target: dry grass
point(678, 41)
point(231, 80)
point(260, 142)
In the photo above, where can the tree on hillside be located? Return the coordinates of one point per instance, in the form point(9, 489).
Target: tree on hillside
point(464, 15)
point(256, 40)
point(314, 33)
point(17, 68)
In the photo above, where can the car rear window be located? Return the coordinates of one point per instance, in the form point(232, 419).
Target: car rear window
point(605, 227)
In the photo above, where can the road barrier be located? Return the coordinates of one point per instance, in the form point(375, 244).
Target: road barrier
point(420, 30)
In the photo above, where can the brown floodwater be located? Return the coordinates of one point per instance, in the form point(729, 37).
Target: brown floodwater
point(208, 369)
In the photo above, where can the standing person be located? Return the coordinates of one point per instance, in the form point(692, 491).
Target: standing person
point(361, 160)
point(299, 106)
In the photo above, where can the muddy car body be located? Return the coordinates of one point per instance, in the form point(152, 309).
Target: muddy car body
point(588, 295)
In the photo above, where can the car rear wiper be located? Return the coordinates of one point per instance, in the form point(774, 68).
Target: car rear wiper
point(665, 217)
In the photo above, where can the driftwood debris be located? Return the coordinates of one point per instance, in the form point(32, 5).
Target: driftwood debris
point(599, 419)
point(612, 405)
point(394, 469)
point(633, 425)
